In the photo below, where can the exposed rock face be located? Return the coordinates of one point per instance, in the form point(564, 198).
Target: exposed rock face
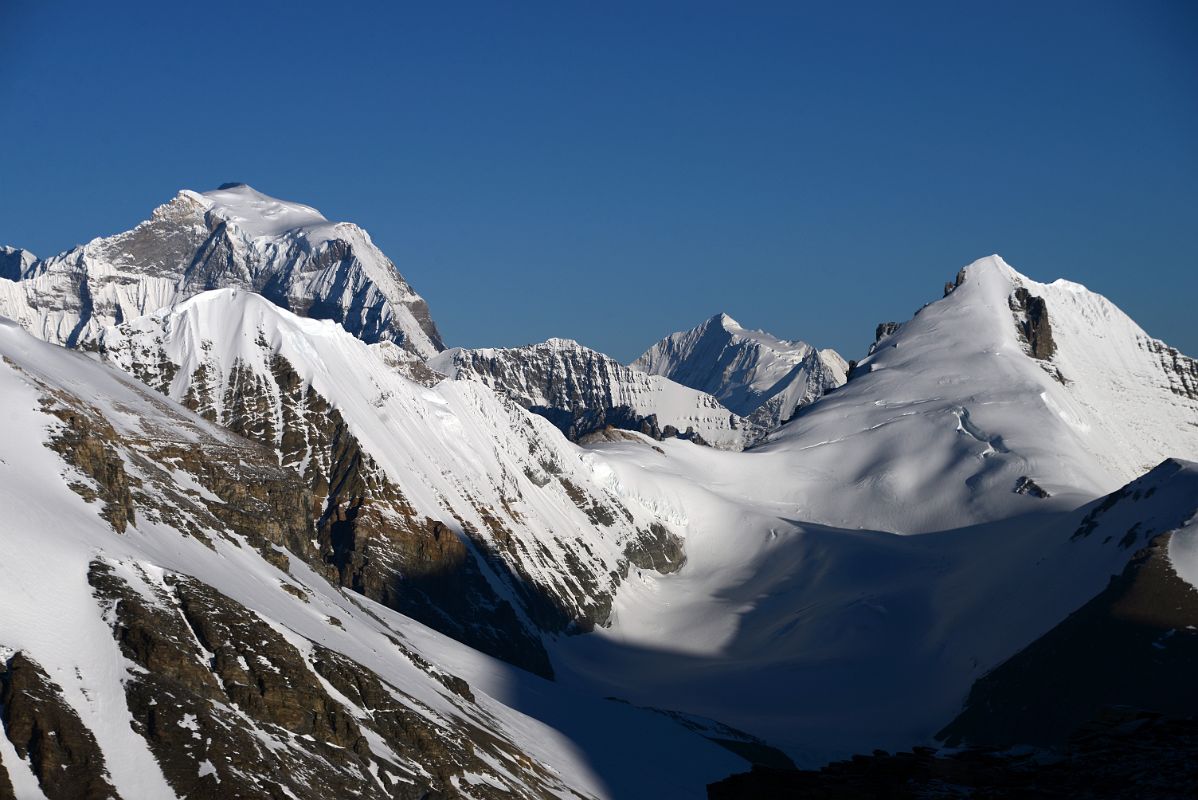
point(47, 732)
point(883, 330)
point(657, 549)
point(366, 531)
point(1181, 371)
point(756, 375)
point(1031, 318)
point(238, 486)
point(581, 390)
point(580, 426)
point(86, 442)
point(234, 237)
point(267, 716)
point(211, 696)
point(950, 286)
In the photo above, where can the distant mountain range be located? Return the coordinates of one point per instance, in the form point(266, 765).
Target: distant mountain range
point(265, 536)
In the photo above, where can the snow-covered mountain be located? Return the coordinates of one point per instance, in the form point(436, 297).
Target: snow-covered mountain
point(848, 580)
point(449, 503)
point(230, 237)
point(589, 390)
point(1002, 380)
point(285, 568)
point(754, 374)
point(165, 632)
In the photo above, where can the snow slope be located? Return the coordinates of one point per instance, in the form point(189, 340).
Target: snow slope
point(810, 615)
point(234, 236)
point(562, 374)
point(827, 641)
point(52, 536)
point(746, 370)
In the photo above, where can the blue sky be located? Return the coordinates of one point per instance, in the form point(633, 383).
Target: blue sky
point(612, 172)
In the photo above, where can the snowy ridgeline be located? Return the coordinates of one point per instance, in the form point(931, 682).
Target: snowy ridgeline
point(839, 586)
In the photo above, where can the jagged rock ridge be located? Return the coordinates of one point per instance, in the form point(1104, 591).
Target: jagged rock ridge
point(582, 390)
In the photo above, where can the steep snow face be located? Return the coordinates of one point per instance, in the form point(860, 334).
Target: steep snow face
point(230, 237)
point(750, 372)
point(484, 502)
point(562, 374)
point(144, 633)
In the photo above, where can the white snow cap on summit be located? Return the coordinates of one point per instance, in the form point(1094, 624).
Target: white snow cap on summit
point(745, 369)
point(255, 213)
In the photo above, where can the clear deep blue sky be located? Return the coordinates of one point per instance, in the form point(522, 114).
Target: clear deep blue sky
point(612, 172)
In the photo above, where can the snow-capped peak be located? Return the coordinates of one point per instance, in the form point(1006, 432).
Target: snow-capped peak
point(744, 369)
point(1005, 378)
point(234, 236)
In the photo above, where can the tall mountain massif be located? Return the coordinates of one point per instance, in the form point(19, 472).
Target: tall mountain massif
point(265, 536)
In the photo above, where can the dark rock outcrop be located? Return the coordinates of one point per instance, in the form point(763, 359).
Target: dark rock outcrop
point(48, 733)
point(579, 425)
point(1031, 319)
point(86, 441)
point(216, 686)
point(883, 330)
point(657, 549)
point(1027, 486)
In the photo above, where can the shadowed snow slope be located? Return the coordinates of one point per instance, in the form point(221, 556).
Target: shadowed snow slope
point(233, 236)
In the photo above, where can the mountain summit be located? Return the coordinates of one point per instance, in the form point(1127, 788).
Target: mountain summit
point(231, 237)
point(752, 373)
